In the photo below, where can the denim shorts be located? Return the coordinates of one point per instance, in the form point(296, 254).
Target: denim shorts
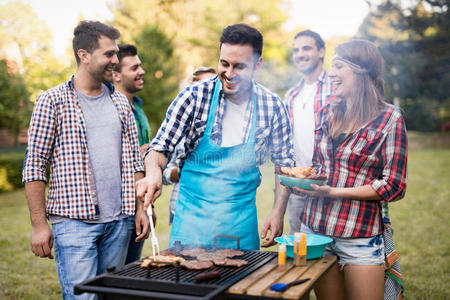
point(355, 251)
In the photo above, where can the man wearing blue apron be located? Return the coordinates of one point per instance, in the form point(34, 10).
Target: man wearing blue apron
point(230, 123)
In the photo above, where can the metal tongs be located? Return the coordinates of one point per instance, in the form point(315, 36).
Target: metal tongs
point(155, 244)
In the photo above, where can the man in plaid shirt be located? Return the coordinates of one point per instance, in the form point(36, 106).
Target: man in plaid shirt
point(87, 132)
point(303, 101)
point(229, 123)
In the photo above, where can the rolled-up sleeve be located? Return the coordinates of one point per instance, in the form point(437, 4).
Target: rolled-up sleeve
point(281, 138)
point(392, 185)
point(41, 134)
point(175, 124)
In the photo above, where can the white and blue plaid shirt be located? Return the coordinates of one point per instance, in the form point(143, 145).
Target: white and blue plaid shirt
point(187, 116)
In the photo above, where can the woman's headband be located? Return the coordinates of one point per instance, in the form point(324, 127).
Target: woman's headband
point(350, 63)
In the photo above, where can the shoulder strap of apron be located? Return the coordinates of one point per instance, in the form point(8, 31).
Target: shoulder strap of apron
point(213, 110)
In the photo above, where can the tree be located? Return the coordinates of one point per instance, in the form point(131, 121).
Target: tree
point(415, 44)
point(194, 26)
point(161, 82)
point(14, 106)
point(21, 29)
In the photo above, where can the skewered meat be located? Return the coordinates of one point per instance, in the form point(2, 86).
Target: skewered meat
point(194, 252)
point(229, 252)
point(197, 264)
point(161, 260)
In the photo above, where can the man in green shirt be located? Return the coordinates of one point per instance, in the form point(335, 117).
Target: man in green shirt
point(128, 78)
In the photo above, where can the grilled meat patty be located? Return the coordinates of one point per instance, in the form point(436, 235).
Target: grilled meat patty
point(229, 252)
point(194, 252)
point(197, 264)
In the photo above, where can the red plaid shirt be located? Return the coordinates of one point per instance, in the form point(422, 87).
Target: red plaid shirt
point(57, 135)
point(375, 155)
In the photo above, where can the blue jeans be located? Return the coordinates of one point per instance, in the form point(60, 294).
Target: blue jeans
point(134, 248)
point(84, 250)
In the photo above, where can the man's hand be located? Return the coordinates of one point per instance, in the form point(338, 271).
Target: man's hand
point(42, 241)
point(149, 188)
point(142, 224)
point(41, 234)
point(144, 148)
point(274, 223)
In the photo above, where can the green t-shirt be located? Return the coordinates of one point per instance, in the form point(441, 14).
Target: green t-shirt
point(143, 127)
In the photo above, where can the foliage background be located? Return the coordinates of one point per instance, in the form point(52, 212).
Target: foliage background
point(174, 37)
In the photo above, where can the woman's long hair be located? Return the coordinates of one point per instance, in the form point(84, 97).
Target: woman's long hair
point(367, 95)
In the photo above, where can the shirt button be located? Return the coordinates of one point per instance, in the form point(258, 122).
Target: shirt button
point(93, 193)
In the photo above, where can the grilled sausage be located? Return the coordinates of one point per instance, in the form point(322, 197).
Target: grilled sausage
point(206, 276)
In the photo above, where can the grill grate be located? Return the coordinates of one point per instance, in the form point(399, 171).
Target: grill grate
point(168, 273)
point(133, 280)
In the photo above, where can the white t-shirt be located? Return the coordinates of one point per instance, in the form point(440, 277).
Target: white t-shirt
point(233, 123)
point(303, 114)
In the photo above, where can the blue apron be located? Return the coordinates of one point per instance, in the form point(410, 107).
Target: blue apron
point(217, 191)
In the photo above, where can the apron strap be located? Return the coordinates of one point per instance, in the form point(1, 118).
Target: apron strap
point(213, 110)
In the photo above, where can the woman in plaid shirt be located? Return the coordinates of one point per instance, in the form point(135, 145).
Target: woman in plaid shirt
point(361, 146)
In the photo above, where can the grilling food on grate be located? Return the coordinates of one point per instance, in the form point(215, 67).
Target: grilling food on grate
point(299, 172)
point(221, 260)
point(206, 276)
point(210, 256)
point(197, 264)
point(160, 261)
point(229, 262)
point(168, 253)
point(194, 252)
point(229, 252)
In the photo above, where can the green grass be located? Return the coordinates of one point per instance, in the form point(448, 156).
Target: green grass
point(421, 232)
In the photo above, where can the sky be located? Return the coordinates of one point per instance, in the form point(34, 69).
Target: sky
point(328, 17)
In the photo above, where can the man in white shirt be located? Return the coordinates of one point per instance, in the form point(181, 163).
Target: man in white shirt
point(303, 101)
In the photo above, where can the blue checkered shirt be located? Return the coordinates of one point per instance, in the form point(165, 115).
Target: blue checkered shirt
point(187, 116)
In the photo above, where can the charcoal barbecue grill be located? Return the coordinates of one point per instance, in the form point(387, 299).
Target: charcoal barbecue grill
point(171, 282)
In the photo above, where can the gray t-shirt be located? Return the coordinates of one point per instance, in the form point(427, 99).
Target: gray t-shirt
point(104, 141)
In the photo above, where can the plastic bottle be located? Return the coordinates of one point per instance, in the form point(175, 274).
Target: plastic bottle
point(297, 240)
point(281, 258)
point(302, 250)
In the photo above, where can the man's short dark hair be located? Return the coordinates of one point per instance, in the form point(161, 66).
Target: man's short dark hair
point(87, 34)
point(240, 34)
point(124, 51)
point(319, 41)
